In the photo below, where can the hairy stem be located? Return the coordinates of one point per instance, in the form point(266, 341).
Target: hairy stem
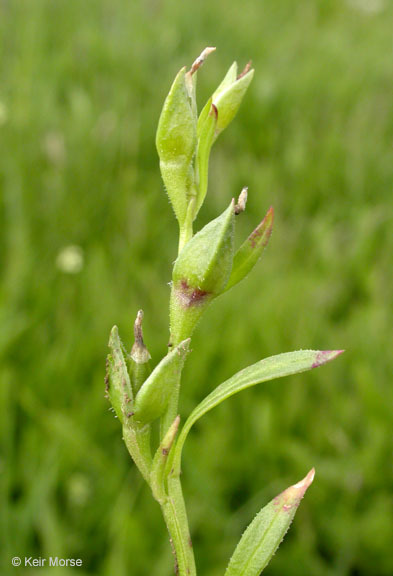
point(175, 516)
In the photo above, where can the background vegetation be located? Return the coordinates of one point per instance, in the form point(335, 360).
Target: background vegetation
point(81, 89)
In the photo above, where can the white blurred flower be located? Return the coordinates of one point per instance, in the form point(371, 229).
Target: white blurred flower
point(70, 259)
point(54, 148)
point(79, 489)
point(368, 6)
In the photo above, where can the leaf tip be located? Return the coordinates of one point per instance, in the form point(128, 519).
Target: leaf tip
point(290, 499)
point(325, 356)
point(306, 482)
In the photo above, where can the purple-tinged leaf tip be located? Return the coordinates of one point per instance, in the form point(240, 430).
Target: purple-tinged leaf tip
point(292, 496)
point(324, 356)
point(265, 533)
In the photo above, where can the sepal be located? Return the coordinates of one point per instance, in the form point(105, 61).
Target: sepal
point(251, 250)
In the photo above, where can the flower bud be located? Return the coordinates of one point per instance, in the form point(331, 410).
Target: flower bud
point(206, 132)
point(152, 399)
point(176, 145)
point(228, 96)
point(201, 273)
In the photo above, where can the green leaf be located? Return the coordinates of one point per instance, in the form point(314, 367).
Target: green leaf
point(265, 533)
point(118, 383)
point(264, 370)
point(251, 250)
point(152, 399)
point(201, 273)
point(176, 143)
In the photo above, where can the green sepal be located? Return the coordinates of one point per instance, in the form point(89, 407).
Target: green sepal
point(118, 384)
point(201, 273)
point(251, 250)
point(152, 399)
point(229, 79)
point(266, 532)
point(229, 95)
point(158, 470)
point(206, 129)
point(176, 143)
point(120, 394)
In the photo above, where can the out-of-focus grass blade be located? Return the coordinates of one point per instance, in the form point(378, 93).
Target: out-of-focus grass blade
point(266, 532)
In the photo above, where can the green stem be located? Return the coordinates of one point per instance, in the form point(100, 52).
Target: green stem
point(137, 441)
point(186, 231)
point(175, 515)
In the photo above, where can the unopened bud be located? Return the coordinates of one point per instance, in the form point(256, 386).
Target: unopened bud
point(201, 273)
point(229, 95)
point(152, 399)
point(176, 143)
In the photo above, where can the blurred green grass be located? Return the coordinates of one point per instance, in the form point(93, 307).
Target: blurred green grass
point(82, 85)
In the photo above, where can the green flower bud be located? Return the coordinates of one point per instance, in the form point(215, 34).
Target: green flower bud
point(201, 273)
point(207, 124)
point(152, 399)
point(176, 143)
point(228, 97)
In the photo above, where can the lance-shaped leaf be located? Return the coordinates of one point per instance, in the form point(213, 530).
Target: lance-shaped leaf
point(251, 250)
point(158, 472)
point(264, 370)
point(176, 143)
point(201, 273)
point(118, 385)
point(152, 399)
point(265, 533)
